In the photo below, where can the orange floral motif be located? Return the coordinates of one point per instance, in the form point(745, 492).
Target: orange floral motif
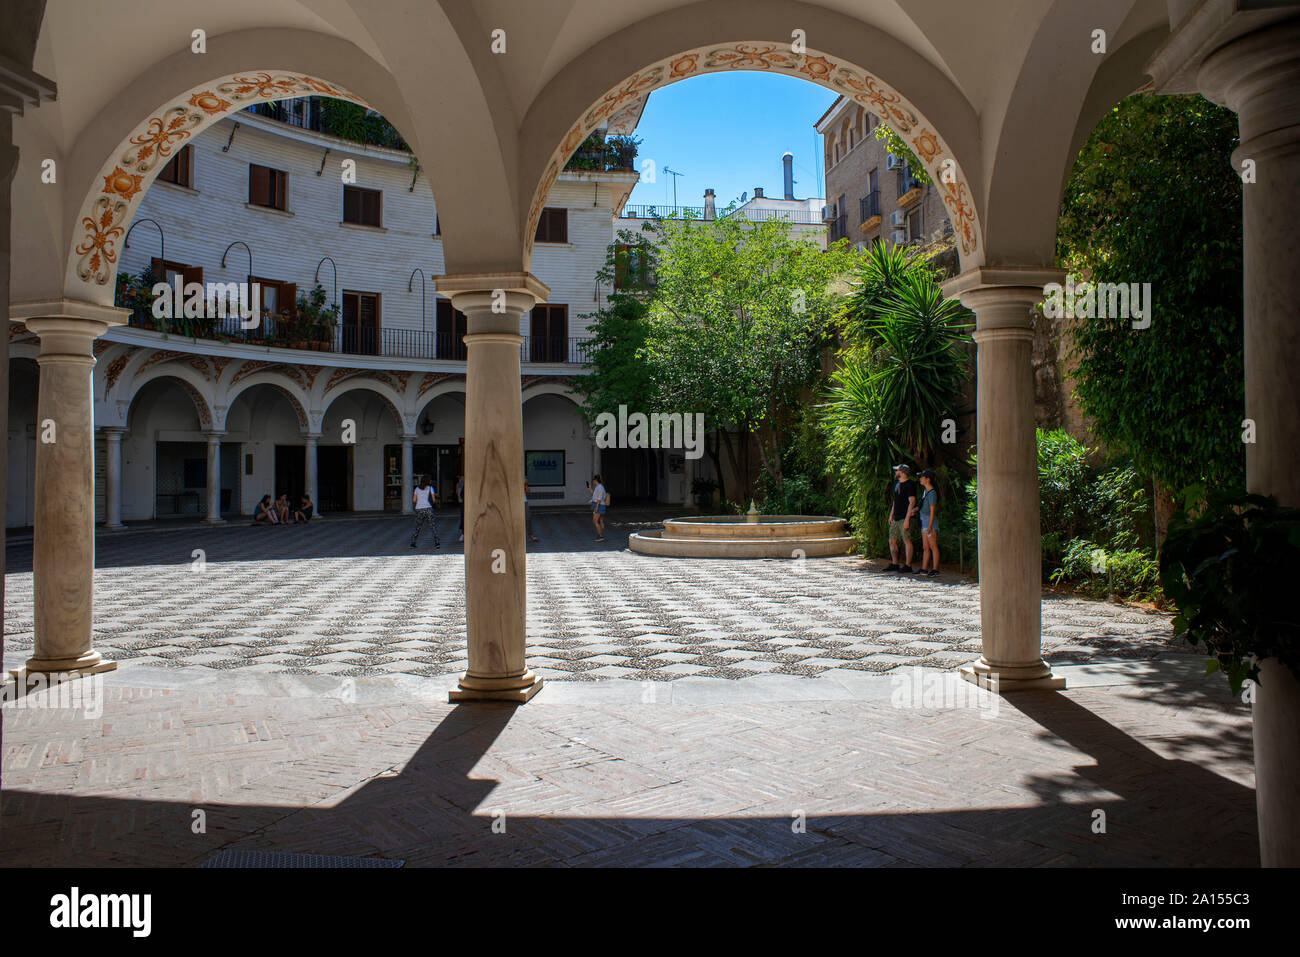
point(750, 56)
point(209, 102)
point(926, 146)
point(158, 139)
point(98, 249)
point(817, 68)
point(684, 66)
point(259, 85)
point(123, 183)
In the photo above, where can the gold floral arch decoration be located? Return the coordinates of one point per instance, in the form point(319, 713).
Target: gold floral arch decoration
point(844, 78)
point(109, 208)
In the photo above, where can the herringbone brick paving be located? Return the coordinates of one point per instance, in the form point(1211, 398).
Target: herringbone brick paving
point(409, 777)
point(350, 598)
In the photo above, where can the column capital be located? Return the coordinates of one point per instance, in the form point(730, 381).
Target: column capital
point(408, 438)
point(113, 430)
point(1257, 75)
point(78, 313)
point(1002, 298)
point(1208, 27)
point(479, 292)
point(214, 433)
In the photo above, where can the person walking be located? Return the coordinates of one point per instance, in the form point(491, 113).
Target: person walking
point(528, 515)
point(423, 498)
point(460, 501)
point(900, 517)
point(929, 515)
point(599, 501)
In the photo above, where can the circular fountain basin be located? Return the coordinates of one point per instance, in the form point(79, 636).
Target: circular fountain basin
point(739, 536)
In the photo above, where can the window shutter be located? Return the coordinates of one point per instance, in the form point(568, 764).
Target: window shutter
point(289, 298)
point(192, 274)
point(373, 208)
point(257, 185)
point(560, 226)
point(158, 268)
point(350, 212)
point(281, 182)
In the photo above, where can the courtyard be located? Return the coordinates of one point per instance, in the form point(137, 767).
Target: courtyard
point(699, 713)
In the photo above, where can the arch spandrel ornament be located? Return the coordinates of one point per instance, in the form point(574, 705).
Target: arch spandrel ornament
point(124, 178)
point(836, 74)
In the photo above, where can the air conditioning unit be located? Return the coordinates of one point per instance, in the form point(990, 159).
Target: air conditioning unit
point(828, 213)
point(898, 237)
point(896, 218)
point(893, 162)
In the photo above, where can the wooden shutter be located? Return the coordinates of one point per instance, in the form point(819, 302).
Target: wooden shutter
point(351, 205)
point(159, 269)
point(289, 298)
point(622, 254)
point(281, 180)
point(191, 274)
point(259, 185)
point(372, 211)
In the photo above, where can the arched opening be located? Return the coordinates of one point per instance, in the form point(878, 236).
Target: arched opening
point(264, 426)
point(164, 455)
point(856, 83)
point(359, 452)
point(439, 445)
point(559, 455)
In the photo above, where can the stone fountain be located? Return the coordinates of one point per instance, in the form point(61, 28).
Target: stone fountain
point(746, 536)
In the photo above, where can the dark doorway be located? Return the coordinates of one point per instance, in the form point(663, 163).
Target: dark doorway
point(447, 474)
point(631, 475)
point(361, 323)
point(290, 471)
point(334, 478)
point(451, 325)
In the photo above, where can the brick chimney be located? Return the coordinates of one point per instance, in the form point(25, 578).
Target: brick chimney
point(710, 207)
point(787, 161)
point(758, 192)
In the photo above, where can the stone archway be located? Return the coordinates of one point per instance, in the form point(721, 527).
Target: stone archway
point(108, 209)
point(835, 73)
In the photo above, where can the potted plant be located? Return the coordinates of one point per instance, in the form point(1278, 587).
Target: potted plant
point(316, 320)
point(1229, 570)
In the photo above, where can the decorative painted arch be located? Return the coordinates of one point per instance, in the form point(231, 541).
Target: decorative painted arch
point(284, 386)
point(108, 210)
point(836, 74)
point(385, 392)
point(552, 387)
point(202, 406)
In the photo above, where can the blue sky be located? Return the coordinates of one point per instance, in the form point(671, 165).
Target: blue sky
point(728, 131)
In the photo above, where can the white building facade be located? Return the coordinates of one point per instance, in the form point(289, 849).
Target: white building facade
point(205, 425)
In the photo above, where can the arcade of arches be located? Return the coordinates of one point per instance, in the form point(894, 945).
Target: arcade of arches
point(1000, 100)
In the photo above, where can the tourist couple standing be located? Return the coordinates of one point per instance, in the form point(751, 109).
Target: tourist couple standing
point(907, 503)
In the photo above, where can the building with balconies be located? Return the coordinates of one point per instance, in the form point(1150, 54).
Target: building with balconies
point(872, 196)
point(200, 416)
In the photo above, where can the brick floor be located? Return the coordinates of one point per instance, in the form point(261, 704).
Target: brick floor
point(768, 771)
point(350, 598)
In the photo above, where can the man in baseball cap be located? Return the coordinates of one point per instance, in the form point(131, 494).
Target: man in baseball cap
point(900, 518)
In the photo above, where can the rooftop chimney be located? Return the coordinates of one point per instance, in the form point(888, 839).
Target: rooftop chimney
point(710, 207)
point(788, 162)
point(758, 192)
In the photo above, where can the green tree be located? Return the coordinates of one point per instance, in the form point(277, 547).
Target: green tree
point(1153, 197)
point(901, 372)
point(737, 323)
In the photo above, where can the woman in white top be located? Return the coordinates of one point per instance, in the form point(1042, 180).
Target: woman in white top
point(423, 498)
point(599, 499)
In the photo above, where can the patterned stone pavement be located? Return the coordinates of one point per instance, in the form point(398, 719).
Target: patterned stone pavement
point(347, 597)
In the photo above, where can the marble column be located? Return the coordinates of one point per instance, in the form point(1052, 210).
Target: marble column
point(1257, 75)
point(312, 479)
point(1010, 537)
point(63, 550)
point(113, 478)
point(496, 600)
point(214, 479)
point(408, 466)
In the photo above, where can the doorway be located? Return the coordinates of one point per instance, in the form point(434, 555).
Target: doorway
point(290, 471)
point(334, 478)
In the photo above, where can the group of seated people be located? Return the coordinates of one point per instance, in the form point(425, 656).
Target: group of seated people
point(279, 512)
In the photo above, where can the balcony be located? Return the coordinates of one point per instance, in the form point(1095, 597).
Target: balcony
point(839, 228)
point(869, 208)
point(356, 341)
point(798, 217)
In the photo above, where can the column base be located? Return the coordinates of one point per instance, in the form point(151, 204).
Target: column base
point(214, 521)
point(113, 528)
point(517, 689)
point(91, 663)
point(1001, 679)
